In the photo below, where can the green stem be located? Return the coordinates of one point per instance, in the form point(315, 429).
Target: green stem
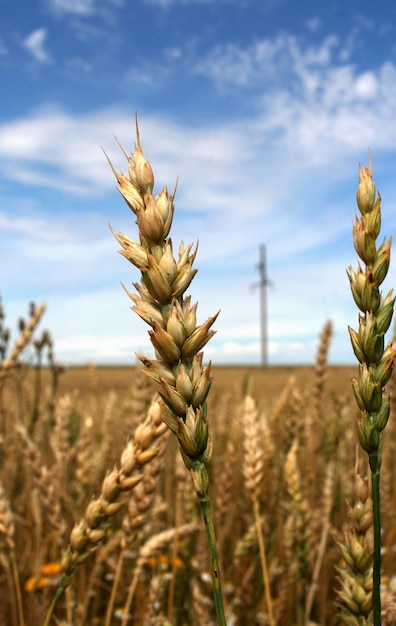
point(374, 458)
point(217, 593)
point(59, 593)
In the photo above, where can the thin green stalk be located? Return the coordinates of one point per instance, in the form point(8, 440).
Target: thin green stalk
point(210, 533)
point(375, 482)
point(59, 593)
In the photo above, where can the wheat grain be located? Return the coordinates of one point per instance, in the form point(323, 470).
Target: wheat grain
point(23, 340)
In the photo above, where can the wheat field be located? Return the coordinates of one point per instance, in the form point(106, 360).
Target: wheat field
point(63, 431)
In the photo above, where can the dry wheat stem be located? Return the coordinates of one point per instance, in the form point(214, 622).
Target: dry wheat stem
point(328, 490)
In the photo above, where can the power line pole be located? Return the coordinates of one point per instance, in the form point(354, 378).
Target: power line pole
point(262, 285)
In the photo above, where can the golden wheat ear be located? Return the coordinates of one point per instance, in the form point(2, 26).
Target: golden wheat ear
point(177, 339)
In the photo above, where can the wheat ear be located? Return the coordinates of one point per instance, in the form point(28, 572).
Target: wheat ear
point(136, 517)
point(321, 366)
point(93, 528)
point(7, 545)
point(355, 597)
point(375, 360)
point(177, 339)
point(253, 470)
point(300, 526)
point(23, 340)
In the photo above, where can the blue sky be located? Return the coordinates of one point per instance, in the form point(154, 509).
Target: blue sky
point(262, 111)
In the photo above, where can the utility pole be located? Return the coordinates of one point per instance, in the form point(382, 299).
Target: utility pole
point(262, 285)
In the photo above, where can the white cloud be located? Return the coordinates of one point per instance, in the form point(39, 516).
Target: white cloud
point(73, 7)
point(166, 4)
point(366, 86)
point(309, 111)
point(35, 44)
point(110, 348)
point(234, 349)
point(266, 59)
point(277, 176)
point(308, 97)
point(56, 150)
point(33, 227)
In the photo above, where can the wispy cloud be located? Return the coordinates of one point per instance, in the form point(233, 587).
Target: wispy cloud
point(266, 59)
point(33, 227)
point(54, 149)
point(273, 175)
point(35, 44)
point(166, 4)
point(72, 7)
point(304, 96)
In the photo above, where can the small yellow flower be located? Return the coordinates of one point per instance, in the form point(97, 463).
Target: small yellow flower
point(35, 584)
point(51, 569)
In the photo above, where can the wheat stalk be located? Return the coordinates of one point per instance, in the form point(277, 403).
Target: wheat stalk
point(375, 360)
point(177, 339)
